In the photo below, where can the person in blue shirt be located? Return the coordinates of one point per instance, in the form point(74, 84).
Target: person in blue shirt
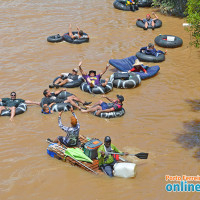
point(150, 50)
point(47, 109)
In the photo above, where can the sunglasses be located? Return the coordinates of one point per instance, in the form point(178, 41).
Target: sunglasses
point(13, 95)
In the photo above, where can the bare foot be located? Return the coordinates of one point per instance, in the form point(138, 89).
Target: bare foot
point(84, 111)
point(103, 84)
point(98, 112)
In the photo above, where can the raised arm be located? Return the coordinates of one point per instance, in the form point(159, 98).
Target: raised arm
point(109, 99)
point(70, 32)
point(78, 29)
point(107, 66)
point(64, 128)
point(81, 70)
point(59, 91)
point(156, 17)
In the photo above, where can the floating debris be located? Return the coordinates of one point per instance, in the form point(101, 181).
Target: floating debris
point(191, 138)
point(195, 104)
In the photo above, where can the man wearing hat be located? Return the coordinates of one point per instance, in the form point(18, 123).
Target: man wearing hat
point(137, 67)
point(107, 160)
point(149, 21)
point(92, 79)
point(150, 50)
point(65, 78)
point(102, 106)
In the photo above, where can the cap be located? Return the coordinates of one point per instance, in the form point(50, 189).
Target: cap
point(148, 15)
point(75, 69)
point(120, 97)
point(150, 45)
point(107, 139)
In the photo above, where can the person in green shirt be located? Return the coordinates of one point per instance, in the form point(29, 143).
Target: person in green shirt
point(12, 103)
point(106, 160)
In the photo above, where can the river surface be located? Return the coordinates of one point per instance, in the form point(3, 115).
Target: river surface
point(155, 111)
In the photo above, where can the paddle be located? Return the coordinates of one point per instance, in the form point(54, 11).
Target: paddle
point(138, 155)
point(72, 157)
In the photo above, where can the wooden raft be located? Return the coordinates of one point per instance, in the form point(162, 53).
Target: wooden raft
point(60, 150)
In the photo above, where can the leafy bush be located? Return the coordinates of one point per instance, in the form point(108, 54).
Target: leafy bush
point(193, 18)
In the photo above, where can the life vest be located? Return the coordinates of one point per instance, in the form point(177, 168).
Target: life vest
point(119, 106)
point(129, 2)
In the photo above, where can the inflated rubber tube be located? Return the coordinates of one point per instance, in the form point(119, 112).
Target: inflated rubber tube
point(121, 5)
point(60, 106)
point(145, 3)
point(150, 58)
point(134, 81)
point(19, 110)
point(67, 38)
point(141, 24)
point(98, 89)
point(113, 114)
point(72, 84)
point(151, 71)
point(55, 38)
point(162, 41)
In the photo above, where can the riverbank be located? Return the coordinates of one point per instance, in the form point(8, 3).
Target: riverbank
point(172, 8)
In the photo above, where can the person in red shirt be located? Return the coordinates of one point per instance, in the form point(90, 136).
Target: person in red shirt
point(137, 67)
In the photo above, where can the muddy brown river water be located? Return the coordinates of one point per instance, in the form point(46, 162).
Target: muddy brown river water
point(155, 111)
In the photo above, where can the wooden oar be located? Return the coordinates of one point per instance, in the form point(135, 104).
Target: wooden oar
point(138, 155)
point(74, 158)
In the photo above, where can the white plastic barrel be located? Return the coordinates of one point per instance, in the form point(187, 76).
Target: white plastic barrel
point(125, 170)
point(187, 24)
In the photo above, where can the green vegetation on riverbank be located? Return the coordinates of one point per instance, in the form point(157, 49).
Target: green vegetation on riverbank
point(184, 8)
point(193, 17)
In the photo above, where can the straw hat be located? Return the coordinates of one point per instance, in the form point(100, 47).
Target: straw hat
point(137, 62)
